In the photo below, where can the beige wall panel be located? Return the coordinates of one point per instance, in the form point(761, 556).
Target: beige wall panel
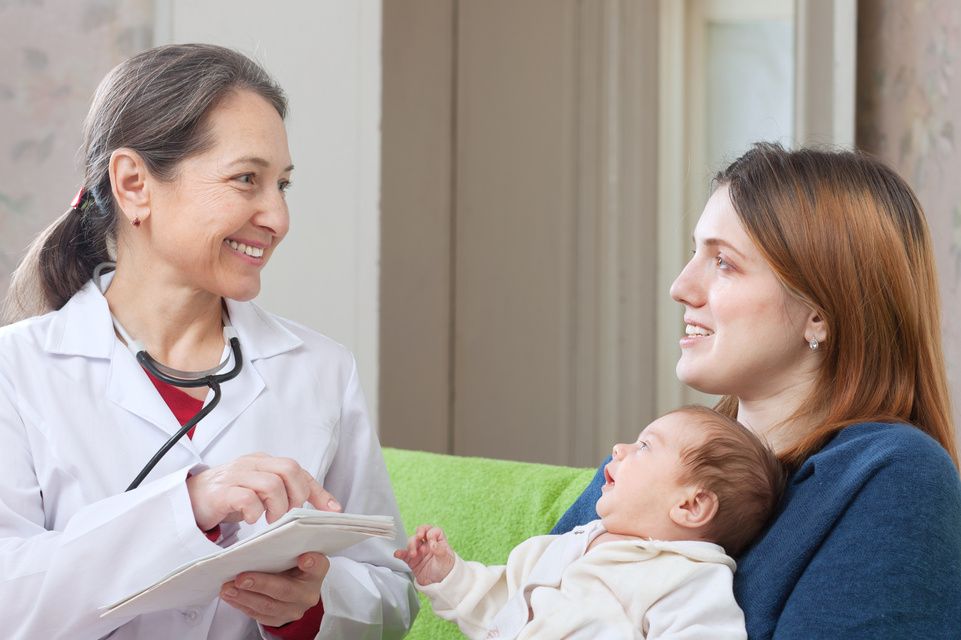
point(514, 229)
point(415, 325)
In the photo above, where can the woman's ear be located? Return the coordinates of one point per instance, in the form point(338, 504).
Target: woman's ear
point(697, 508)
point(815, 329)
point(129, 180)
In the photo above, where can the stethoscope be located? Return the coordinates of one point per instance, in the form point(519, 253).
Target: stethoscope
point(177, 378)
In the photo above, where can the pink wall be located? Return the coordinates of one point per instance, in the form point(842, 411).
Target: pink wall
point(53, 53)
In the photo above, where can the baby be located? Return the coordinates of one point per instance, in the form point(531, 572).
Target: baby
point(694, 485)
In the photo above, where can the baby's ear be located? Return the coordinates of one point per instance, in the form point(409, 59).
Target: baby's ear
point(695, 509)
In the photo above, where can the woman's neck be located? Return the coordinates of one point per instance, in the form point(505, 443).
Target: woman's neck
point(769, 416)
point(178, 325)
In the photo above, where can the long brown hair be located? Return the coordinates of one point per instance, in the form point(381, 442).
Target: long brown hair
point(154, 103)
point(846, 235)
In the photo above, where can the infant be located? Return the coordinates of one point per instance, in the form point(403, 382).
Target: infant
point(692, 491)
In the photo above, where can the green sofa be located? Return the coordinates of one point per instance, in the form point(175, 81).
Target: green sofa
point(485, 507)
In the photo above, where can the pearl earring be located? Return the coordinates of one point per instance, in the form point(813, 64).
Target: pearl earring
point(814, 344)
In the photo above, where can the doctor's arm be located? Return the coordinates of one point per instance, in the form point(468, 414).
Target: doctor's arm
point(367, 592)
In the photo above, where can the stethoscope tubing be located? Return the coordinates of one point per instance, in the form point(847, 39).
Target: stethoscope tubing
point(212, 381)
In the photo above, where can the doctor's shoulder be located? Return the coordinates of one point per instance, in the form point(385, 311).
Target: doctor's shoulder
point(29, 334)
point(315, 349)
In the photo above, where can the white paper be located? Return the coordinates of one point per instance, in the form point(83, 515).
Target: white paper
point(273, 550)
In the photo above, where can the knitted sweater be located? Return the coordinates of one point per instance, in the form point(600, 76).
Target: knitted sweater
point(866, 543)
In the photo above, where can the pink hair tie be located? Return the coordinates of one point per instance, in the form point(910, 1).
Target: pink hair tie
point(81, 201)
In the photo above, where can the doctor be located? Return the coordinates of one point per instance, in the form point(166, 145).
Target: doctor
point(186, 164)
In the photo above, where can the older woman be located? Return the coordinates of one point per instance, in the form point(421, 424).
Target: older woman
point(186, 168)
point(811, 305)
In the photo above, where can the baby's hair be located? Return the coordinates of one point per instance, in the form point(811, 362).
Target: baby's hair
point(745, 474)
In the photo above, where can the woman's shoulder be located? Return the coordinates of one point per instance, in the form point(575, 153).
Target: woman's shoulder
point(863, 451)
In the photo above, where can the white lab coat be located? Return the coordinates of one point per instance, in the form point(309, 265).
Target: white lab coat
point(78, 420)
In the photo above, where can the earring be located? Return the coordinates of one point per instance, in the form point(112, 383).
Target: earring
point(135, 222)
point(814, 344)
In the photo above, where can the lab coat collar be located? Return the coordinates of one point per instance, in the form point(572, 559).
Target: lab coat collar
point(83, 328)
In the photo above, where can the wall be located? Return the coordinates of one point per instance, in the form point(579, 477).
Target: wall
point(54, 53)
point(909, 114)
point(326, 54)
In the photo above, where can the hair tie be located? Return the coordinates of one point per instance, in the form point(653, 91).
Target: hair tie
point(81, 201)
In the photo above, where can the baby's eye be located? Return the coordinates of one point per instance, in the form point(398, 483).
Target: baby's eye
point(641, 445)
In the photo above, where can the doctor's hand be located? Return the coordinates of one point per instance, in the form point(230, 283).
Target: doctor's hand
point(252, 485)
point(428, 555)
point(274, 599)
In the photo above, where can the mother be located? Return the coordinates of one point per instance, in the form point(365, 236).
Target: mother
point(811, 306)
point(186, 165)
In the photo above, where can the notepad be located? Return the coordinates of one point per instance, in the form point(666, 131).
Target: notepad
point(272, 550)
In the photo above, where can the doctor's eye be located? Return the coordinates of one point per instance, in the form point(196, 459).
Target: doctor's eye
point(245, 178)
point(284, 185)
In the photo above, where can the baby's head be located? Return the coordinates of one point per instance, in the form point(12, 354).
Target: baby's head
point(693, 474)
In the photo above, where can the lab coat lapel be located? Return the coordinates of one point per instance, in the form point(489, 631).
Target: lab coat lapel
point(129, 387)
point(236, 395)
point(83, 328)
point(261, 336)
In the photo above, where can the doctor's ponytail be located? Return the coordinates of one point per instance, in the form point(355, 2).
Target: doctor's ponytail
point(154, 103)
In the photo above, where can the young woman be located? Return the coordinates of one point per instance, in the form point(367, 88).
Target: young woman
point(811, 305)
point(186, 164)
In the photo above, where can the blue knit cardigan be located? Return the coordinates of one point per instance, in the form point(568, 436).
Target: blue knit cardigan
point(866, 543)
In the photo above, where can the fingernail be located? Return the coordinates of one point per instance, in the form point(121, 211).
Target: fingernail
point(231, 593)
point(333, 504)
point(247, 583)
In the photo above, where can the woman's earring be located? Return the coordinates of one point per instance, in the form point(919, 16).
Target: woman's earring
point(135, 222)
point(814, 344)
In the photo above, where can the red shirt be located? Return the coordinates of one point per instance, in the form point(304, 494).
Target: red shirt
point(184, 407)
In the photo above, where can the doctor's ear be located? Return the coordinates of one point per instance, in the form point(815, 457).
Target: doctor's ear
point(696, 509)
point(129, 181)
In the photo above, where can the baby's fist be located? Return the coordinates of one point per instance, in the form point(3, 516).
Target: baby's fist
point(428, 555)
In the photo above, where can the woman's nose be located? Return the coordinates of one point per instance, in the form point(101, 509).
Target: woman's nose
point(686, 287)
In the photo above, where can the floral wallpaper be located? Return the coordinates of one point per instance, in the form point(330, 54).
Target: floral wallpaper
point(909, 114)
point(54, 53)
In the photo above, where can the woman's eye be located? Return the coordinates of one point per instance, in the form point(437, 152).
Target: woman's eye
point(721, 263)
point(247, 178)
point(283, 185)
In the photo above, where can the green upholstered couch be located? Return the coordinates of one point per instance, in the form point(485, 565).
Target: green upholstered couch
point(486, 507)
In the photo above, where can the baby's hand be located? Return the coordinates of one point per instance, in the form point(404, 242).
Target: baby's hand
point(428, 555)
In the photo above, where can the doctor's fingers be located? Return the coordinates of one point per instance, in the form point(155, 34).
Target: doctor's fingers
point(301, 485)
point(250, 503)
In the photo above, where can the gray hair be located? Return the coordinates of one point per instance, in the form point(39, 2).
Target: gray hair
point(155, 103)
